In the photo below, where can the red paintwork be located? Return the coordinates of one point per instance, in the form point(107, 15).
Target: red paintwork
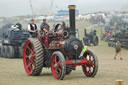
point(46, 40)
point(70, 62)
point(29, 63)
point(54, 44)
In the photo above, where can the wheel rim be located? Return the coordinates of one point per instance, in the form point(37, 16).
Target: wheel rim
point(29, 57)
point(89, 68)
point(56, 66)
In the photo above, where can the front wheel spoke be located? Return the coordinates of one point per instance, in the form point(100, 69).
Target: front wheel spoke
point(92, 64)
point(88, 63)
point(85, 65)
point(59, 63)
point(56, 70)
point(59, 69)
point(90, 57)
point(89, 70)
point(55, 59)
point(55, 67)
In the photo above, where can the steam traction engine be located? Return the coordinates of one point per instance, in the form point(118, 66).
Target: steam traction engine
point(90, 38)
point(60, 51)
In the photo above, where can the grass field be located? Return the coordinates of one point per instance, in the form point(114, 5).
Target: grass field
point(12, 70)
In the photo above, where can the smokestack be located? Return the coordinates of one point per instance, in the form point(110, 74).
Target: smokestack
point(72, 19)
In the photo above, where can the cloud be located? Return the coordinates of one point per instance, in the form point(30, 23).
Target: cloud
point(22, 7)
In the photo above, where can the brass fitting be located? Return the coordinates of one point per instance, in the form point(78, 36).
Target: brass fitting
point(71, 6)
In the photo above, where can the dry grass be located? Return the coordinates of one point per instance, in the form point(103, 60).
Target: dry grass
point(12, 70)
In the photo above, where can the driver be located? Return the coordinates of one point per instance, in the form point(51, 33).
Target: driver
point(45, 28)
point(84, 49)
point(32, 28)
point(63, 25)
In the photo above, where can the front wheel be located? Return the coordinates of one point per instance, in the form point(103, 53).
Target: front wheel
point(58, 66)
point(95, 41)
point(91, 67)
point(87, 41)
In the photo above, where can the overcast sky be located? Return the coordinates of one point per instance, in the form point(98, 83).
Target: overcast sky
point(22, 7)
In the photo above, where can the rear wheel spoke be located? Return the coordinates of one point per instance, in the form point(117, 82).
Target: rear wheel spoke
point(33, 53)
point(26, 56)
point(29, 49)
point(29, 65)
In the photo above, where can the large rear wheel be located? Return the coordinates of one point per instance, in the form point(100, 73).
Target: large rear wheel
point(58, 66)
point(20, 52)
point(95, 40)
point(33, 57)
point(4, 51)
point(10, 52)
point(91, 67)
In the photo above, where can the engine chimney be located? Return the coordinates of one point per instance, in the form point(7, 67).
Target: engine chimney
point(72, 20)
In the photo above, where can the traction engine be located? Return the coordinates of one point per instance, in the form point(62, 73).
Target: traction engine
point(60, 51)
